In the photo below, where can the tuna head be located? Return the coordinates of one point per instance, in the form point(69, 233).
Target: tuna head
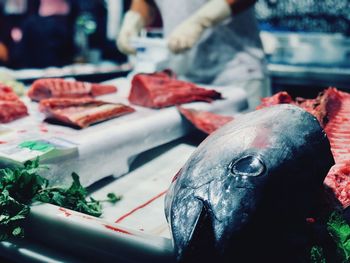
point(264, 165)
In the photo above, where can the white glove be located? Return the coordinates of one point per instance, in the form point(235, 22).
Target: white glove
point(131, 27)
point(188, 32)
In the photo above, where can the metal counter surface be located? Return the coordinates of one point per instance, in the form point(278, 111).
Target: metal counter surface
point(302, 74)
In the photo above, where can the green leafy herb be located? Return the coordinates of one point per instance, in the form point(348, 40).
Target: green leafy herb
point(12, 216)
point(340, 231)
point(74, 197)
point(113, 198)
point(20, 187)
point(317, 255)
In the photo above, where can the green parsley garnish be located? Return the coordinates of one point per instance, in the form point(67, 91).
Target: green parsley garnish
point(340, 231)
point(317, 255)
point(20, 187)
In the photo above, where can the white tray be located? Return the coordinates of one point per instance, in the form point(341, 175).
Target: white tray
point(109, 147)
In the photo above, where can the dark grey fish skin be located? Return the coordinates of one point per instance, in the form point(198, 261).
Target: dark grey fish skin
point(244, 194)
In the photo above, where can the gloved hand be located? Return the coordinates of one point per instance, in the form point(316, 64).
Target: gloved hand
point(131, 27)
point(188, 33)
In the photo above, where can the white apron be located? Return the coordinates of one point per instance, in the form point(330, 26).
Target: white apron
point(229, 54)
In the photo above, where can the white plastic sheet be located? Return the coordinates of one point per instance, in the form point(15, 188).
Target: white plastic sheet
point(109, 147)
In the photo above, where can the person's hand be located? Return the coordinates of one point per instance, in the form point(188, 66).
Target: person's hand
point(3, 53)
point(188, 33)
point(185, 36)
point(131, 27)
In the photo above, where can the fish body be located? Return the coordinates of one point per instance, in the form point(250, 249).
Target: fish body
point(245, 193)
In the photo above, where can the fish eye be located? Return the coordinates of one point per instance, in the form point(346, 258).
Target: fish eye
point(248, 166)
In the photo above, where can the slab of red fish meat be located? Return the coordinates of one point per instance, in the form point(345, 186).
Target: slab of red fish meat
point(332, 109)
point(205, 121)
point(81, 112)
point(60, 88)
point(11, 107)
point(6, 93)
point(160, 89)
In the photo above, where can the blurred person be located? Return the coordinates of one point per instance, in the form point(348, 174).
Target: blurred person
point(47, 36)
point(3, 47)
point(11, 14)
point(3, 53)
point(220, 40)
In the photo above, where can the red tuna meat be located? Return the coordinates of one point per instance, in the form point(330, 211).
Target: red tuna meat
point(81, 112)
point(60, 88)
point(160, 90)
point(205, 121)
point(6, 93)
point(11, 108)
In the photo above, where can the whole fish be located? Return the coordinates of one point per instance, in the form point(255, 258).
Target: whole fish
point(249, 190)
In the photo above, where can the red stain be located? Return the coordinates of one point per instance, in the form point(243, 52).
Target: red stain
point(87, 217)
point(139, 207)
point(176, 175)
point(261, 140)
point(117, 229)
point(21, 131)
point(310, 220)
point(2, 142)
point(43, 128)
point(66, 213)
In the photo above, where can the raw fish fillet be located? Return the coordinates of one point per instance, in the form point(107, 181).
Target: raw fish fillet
point(83, 112)
point(6, 93)
point(11, 107)
point(12, 110)
point(60, 88)
point(205, 121)
point(159, 90)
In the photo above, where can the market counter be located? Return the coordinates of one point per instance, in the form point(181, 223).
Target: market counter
point(132, 230)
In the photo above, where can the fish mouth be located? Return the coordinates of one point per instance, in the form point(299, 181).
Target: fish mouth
point(209, 232)
point(210, 236)
point(202, 244)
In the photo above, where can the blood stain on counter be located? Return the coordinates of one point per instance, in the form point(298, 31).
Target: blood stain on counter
point(66, 213)
point(59, 132)
point(87, 217)
point(117, 229)
point(3, 142)
point(140, 207)
point(43, 128)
